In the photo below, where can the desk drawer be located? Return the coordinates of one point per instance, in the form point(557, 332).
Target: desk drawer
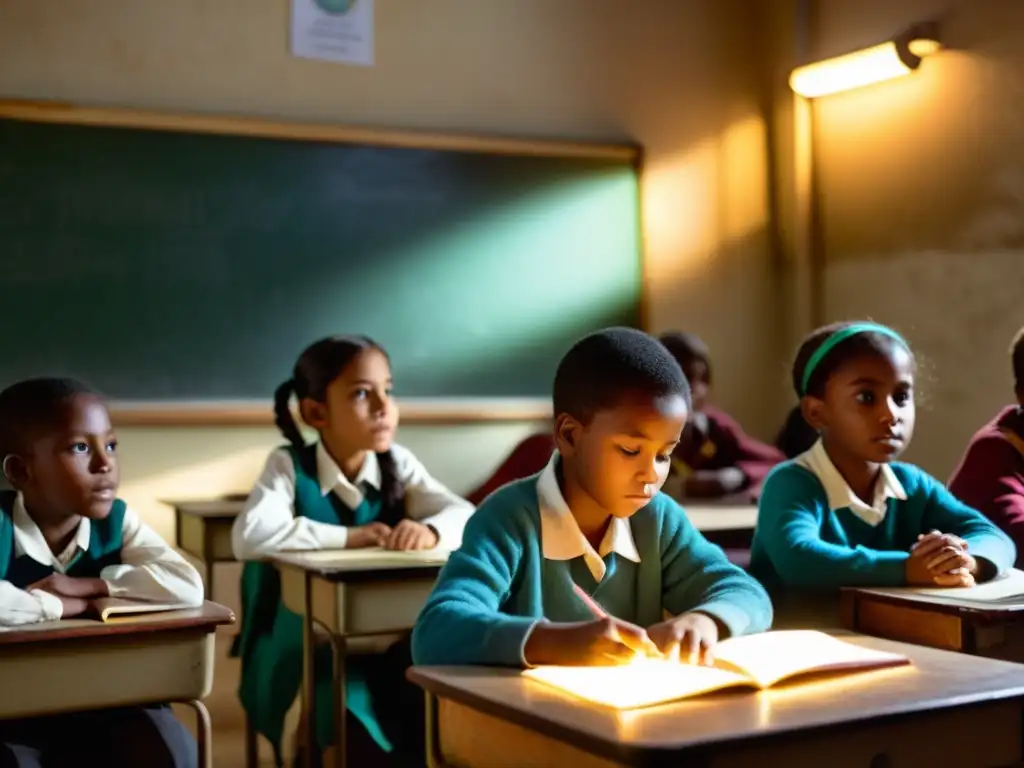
point(209, 539)
point(985, 736)
point(363, 608)
point(110, 672)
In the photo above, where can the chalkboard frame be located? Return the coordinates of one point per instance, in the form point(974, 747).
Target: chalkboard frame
point(422, 411)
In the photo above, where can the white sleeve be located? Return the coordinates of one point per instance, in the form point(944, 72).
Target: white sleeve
point(268, 523)
point(20, 607)
point(430, 502)
point(150, 569)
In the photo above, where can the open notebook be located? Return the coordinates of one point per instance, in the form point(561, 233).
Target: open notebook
point(110, 608)
point(752, 661)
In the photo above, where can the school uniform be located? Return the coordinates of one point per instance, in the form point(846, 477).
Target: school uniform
point(814, 533)
point(713, 440)
point(303, 501)
point(523, 550)
point(990, 476)
point(135, 563)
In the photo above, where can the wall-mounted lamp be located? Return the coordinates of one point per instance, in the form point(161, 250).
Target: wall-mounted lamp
point(895, 58)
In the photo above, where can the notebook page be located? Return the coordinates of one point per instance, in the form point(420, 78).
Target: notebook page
point(643, 683)
point(773, 656)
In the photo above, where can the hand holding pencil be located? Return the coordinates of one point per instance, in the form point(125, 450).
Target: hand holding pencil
point(604, 641)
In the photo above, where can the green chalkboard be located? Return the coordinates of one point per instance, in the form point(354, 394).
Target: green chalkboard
point(171, 266)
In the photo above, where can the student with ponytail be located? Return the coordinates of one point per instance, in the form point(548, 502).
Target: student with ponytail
point(352, 487)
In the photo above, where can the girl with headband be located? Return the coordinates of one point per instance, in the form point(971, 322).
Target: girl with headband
point(846, 512)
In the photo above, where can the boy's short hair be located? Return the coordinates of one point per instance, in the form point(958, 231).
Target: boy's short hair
point(602, 368)
point(1017, 357)
point(32, 405)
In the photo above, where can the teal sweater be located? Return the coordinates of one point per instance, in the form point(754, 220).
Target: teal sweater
point(498, 585)
point(801, 543)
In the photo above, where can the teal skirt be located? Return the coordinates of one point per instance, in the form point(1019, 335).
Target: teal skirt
point(269, 645)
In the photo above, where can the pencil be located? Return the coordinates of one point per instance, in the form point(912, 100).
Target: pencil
point(590, 602)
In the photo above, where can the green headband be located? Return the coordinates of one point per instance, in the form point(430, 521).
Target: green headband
point(838, 338)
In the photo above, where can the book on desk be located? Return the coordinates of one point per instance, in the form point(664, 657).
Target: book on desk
point(112, 608)
point(752, 661)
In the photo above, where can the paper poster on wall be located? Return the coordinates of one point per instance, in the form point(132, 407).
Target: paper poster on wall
point(333, 30)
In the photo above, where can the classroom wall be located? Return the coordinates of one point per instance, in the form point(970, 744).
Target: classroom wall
point(678, 77)
point(922, 196)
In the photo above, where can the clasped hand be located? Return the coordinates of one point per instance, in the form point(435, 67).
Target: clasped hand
point(75, 594)
point(406, 536)
point(941, 559)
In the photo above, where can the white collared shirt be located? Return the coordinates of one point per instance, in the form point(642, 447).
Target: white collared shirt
point(150, 570)
point(841, 496)
point(268, 523)
point(560, 534)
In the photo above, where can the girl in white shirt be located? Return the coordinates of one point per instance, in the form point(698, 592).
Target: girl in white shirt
point(352, 488)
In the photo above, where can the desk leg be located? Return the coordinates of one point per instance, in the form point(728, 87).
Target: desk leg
point(252, 746)
point(338, 653)
point(209, 579)
point(204, 733)
point(308, 719)
point(433, 741)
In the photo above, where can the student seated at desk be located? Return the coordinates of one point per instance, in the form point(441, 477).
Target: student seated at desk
point(846, 513)
point(352, 488)
point(715, 457)
point(593, 518)
point(990, 476)
point(65, 540)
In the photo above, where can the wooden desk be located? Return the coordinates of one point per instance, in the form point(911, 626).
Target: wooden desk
point(903, 717)
point(203, 530)
point(727, 525)
point(353, 596)
point(996, 631)
point(80, 664)
point(708, 518)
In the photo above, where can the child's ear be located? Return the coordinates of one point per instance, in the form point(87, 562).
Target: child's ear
point(16, 470)
point(813, 410)
point(567, 434)
point(314, 413)
point(1020, 395)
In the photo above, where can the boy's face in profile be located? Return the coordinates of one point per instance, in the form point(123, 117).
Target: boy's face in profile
point(621, 457)
point(71, 468)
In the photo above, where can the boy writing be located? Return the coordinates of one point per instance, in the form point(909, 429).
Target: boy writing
point(592, 519)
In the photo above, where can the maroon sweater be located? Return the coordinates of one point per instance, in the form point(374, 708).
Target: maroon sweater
point(724, 445)
point(527, 458)
point(990, 476)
